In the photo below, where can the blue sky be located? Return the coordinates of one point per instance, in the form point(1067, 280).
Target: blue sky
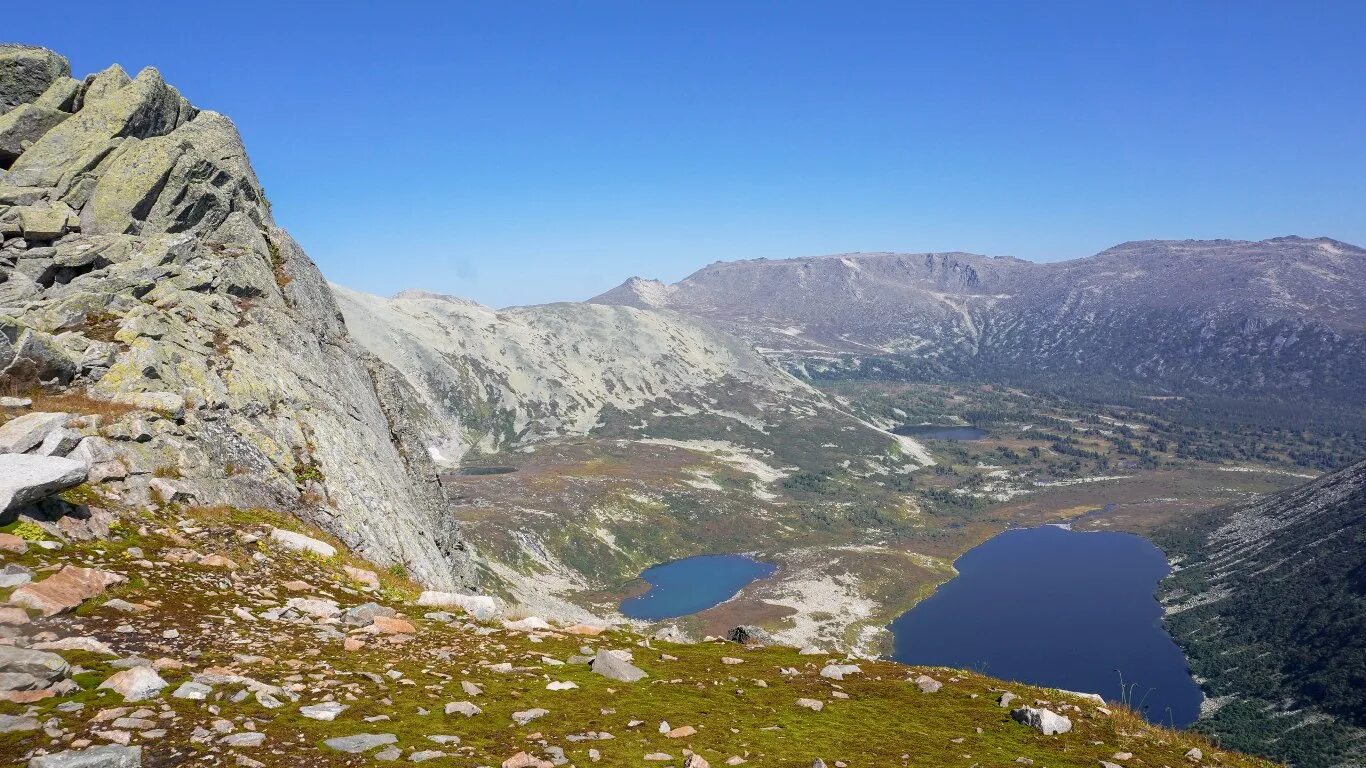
point(522, 152)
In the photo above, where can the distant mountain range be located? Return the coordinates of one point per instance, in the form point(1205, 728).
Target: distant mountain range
point(1226, 316)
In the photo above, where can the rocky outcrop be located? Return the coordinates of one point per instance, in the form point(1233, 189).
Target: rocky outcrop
point(143, 279)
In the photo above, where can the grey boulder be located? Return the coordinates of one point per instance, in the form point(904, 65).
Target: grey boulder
point(1045, 721)
point(25, 479)
point(610, 666)
point(28, 431)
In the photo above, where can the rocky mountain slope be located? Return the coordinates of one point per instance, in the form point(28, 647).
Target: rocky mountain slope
point(1269, 602)
point(500, 378)
point(1281, 315)
point(146, 291)
point(221, 637)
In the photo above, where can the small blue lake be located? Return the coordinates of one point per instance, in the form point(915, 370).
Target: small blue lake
point(1057, 608)
point(934, 432)
point(694, 584)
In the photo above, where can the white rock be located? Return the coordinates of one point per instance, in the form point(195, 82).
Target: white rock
point(478, 606)
point(328, 710)
point(838, 671)
point(302, 543)
point(135, 684)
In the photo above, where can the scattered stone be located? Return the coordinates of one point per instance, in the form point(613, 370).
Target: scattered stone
point(302, 543)
point(838, 671)
point(1195, 755)
point(135, 684)
point(681, 732)
point(243, 739)
point(561, 685)
point(365, 614)
point(361, 742)
point(16, 724)
point(109, 756)
point(927, 684)
point(87, 644)
point(11, 543)
point(390, 625)
point(695, 760)
point(1006, 698)
point(362, 576)
point(465, 708)
point(1046, 721)
point(527, 715)
point(479, 606)
point(64, 590)
point(524, 760)
point(470, 688)
point(41, 665)
point(658, 757)
point(328, 710)
point(812, 704)
point(192, 691)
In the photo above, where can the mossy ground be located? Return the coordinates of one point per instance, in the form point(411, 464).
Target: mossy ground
point(746, 709)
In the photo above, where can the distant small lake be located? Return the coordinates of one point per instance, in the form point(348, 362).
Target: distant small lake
point(479, 471)
point(938, 432)
point(694, 584)
point(1057, 608)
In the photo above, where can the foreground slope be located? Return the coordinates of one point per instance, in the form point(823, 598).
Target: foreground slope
point(1269, 602)
point(1275, 316)
point(144, 285)
point(223, 646)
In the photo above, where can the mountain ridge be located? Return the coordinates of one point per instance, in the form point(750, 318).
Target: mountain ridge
point(1223, 316)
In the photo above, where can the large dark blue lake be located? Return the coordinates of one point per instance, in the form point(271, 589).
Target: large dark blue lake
point(1058, 608)
point(693, 584)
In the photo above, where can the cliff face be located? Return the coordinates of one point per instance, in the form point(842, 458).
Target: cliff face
point(141, 274)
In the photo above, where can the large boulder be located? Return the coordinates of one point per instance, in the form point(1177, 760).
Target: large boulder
point(24, 125)
point(26, 72)
point(613, 667)
point(1045, 721)
point(64, 590)
point(25, 479)
point(46, 667)
point(28, 431)
point(135, 683)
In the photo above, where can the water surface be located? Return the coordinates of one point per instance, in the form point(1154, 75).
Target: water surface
point(693, 584)
point(1057, 608)
point(939, 432)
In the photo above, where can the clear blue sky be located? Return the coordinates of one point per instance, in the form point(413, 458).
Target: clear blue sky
point(520, 152)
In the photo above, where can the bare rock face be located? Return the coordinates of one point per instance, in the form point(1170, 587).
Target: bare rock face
point(140, 264)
